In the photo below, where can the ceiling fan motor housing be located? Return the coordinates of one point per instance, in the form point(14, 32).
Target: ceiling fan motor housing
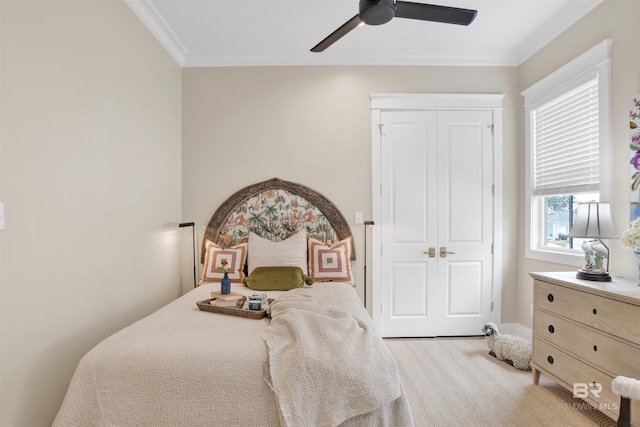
point(377, 12)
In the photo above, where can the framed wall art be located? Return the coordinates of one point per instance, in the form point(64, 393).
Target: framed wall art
point(634, 135)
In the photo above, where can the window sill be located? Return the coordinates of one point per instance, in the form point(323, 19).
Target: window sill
point(556, 257)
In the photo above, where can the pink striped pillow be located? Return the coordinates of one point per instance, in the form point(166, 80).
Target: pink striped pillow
point(235, 256)
point(330, 263)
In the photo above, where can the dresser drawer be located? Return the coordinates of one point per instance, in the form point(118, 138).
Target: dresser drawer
point(615, 317)
point(564, 366)
point(608, 354)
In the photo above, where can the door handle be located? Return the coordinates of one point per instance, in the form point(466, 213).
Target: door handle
point(443, 252)
point(431, 252)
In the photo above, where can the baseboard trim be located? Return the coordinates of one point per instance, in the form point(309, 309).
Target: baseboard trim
point(516, 329)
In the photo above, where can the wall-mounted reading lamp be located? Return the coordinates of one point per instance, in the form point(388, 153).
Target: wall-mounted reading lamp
point(193, 246)
point(367, 224)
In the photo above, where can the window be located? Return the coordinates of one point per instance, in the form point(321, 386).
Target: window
point(568, 152)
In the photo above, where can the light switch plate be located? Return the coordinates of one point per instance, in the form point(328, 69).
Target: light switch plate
point(358, 218)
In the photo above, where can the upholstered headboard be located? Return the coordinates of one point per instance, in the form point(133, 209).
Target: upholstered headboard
point(275, 209)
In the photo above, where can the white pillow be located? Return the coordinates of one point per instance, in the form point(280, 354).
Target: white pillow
point(291, 252)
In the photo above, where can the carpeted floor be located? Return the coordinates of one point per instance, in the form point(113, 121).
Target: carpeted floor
point(454, 382)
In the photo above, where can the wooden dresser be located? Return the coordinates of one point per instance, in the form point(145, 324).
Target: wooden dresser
point(586, 333)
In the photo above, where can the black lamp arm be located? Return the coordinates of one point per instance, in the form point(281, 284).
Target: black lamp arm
point(193, 247)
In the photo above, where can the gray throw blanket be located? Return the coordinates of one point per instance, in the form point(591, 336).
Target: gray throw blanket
point(326, 366)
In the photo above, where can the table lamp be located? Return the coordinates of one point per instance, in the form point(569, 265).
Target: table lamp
point(593, 220)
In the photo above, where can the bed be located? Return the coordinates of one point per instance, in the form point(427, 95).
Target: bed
point(315, 361)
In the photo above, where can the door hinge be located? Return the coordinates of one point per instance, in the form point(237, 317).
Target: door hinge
point(491, 305)
point(492, 248)
point(493, 190)
point(491, 126)
point(380, 308)
point(380, 128)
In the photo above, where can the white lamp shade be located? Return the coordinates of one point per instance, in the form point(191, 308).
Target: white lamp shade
point(593, 220)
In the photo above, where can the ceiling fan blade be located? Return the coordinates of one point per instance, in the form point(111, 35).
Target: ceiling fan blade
point(432, 12)
point(337, 34)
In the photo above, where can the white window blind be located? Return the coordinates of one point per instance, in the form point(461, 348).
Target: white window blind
point(566, 142)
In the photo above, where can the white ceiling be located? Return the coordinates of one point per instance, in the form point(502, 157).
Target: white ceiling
point(200, 33)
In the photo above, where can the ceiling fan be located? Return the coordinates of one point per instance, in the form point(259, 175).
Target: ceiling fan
point(377, 12)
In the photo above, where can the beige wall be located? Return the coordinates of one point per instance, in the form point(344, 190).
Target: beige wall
point(91, 179)
point(90, 167)
point(312, 125)
point(619, 20)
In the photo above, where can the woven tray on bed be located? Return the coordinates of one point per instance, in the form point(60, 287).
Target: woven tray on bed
point(205, 305)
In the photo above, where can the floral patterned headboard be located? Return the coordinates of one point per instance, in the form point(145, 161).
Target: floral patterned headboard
point(276, 209)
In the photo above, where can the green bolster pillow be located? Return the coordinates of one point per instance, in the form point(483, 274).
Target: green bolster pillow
point(276, 279)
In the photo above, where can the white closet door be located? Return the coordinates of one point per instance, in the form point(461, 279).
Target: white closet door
point(409, 226)
point(436, 228)
point(465, 221)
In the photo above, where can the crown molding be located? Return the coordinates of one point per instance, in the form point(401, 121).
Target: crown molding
point(559, 23)
point(425, 58)
point(589, 60)
point(150, 17)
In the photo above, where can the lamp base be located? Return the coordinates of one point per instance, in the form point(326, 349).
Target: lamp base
point(590, 275)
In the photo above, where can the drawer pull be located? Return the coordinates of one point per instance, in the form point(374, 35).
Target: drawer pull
point(595, 348)
point(551, 329)
point(550, 297)
point(595, 311)
point(550, 359)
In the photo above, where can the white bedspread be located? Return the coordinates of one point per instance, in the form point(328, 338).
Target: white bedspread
point(327, 366)
point(184, 367)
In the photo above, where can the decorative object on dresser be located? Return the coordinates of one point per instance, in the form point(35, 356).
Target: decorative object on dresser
point(585, 334)
point(593, 220)
point(630, 239)
point(516, 351)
